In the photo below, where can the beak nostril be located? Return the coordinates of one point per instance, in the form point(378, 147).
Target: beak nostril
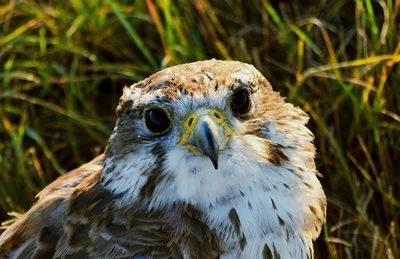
point(190, 122)
point(217, 115)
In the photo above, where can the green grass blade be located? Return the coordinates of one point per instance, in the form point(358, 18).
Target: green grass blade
point(131, 32)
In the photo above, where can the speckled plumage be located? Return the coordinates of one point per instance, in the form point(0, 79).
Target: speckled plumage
point(150, 197)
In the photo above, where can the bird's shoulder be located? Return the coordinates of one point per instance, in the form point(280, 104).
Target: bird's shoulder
point(99, 224)
point(24, 234)
point(76, 216)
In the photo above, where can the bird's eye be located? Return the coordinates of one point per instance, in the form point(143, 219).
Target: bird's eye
point(157, 120)
point(240, 102)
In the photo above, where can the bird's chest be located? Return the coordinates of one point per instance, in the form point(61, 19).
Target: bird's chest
point(237, 221)
point(248, 228)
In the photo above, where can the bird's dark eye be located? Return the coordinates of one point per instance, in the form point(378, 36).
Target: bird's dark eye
point(157, 120)
point(240, 102)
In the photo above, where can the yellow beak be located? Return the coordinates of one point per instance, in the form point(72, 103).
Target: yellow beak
point(206, 133)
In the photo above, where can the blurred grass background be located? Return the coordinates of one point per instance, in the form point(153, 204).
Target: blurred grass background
point(63, 65)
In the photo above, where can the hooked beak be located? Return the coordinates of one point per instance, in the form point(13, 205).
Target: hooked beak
point(206, 134)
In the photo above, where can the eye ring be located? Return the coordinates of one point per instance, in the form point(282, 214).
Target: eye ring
point(157, 120)
point(240, 103)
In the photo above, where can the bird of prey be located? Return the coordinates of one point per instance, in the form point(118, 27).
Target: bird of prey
point(205, 161)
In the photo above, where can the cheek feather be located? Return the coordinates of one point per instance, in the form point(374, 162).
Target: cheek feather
point(262, 150)
point(128, 175)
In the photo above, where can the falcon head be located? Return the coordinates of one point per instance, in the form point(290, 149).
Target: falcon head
point(212, 134)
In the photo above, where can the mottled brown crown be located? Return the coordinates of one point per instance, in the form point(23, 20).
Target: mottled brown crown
point(192, 78)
